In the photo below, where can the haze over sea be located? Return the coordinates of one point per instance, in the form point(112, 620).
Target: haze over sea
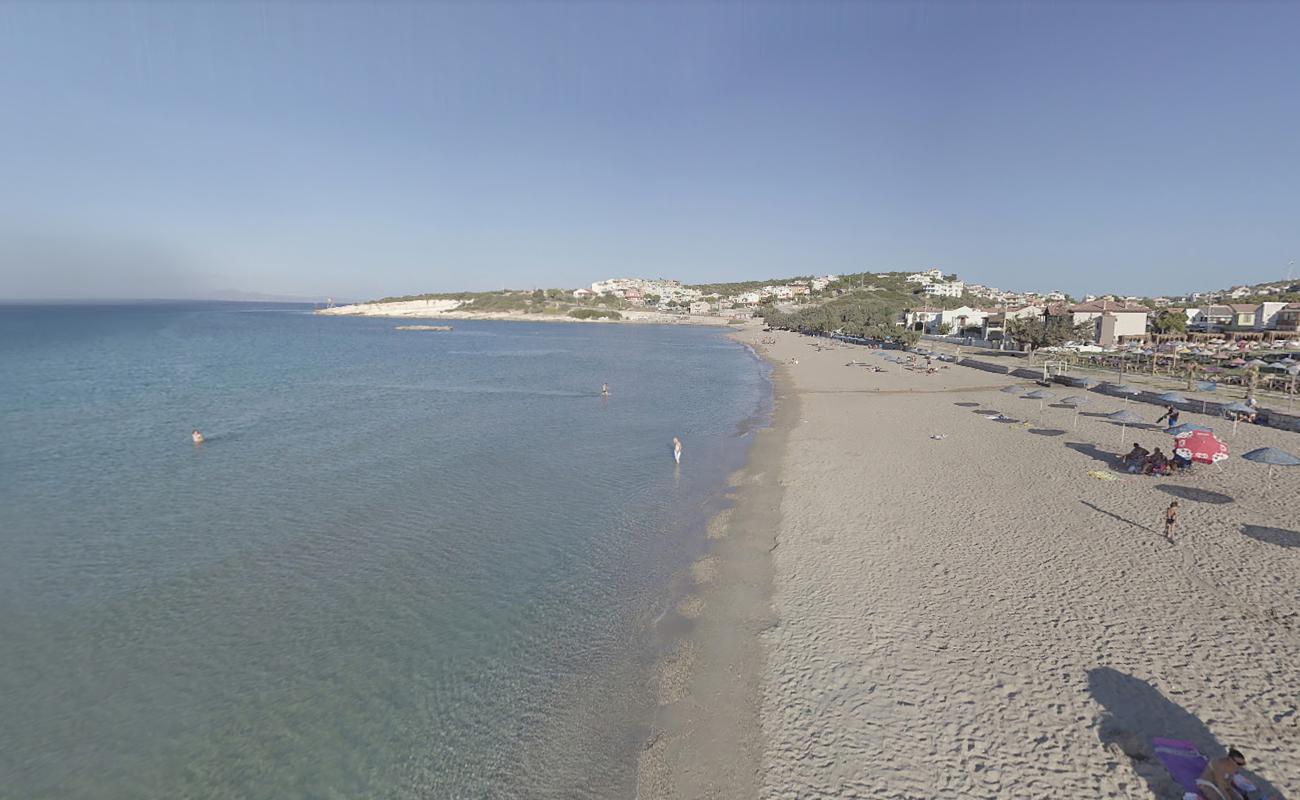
point(404, 564)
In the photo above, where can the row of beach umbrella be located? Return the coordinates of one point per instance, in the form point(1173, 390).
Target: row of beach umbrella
point(1193, 441)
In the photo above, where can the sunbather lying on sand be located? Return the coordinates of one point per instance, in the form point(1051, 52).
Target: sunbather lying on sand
point(1216, 782)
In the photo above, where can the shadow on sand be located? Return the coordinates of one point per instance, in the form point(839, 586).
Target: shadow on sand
point(985, 412)
point(966, 405)
point(1047, 431)
point(1115, 516)
point(1195, 495)
point(1134, 712)
point(1093, 451)
point(1278, 536)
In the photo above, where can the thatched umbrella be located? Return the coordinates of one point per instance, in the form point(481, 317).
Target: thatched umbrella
point(1125, 418)
point(1237, 410)
point(1273, 457)
point(1127, 389)
point(1075, 401)
point(1206, 386)
point(1041, 395)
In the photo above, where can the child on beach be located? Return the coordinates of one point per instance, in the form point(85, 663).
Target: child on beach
point(1171, 519)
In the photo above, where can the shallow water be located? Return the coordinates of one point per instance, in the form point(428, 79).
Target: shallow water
point(405, 564)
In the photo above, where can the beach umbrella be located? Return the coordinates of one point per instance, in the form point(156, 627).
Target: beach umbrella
point(1237, 362)
point(1125, 418)
point(1075, 401)
point(1256, 362)
point(1042, 396)
point(1273, 457)
point(1238, 409)
point(1187, 427)
point(1089, 383)
point(1278, 365)
point(1206, 386)
point(1172, 398)
point(1202, 446)
point(1127, 390)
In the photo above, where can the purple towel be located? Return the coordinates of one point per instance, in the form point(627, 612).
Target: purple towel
point(1184, 762)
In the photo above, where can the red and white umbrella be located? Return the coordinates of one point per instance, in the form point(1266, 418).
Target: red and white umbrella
point(1202, 446)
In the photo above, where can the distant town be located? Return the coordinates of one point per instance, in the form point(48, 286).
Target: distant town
point(895, 305)
point(946, 305)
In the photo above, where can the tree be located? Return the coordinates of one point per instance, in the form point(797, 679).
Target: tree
point(1051, 331)
point(1169, 322)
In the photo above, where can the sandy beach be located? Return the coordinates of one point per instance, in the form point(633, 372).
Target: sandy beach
point(994, 613)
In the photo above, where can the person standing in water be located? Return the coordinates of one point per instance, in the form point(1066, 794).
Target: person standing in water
point(196, 436)
point(604, 390)
point(677, 450)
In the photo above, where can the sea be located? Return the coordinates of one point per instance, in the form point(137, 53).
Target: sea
point(404, 564)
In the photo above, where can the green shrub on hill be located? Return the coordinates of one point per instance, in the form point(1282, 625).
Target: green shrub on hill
point(594, 313)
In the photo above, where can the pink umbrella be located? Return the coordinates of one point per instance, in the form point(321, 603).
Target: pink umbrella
point(1202, 446)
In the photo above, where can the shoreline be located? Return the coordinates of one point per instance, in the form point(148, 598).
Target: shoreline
point(418, 310)
point(707, 738)
point(927, 587)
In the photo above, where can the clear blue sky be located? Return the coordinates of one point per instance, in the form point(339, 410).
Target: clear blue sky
point(172, 149)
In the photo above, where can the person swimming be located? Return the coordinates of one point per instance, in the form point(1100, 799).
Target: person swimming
point(196, 436)
point(677, 450)
point(604, 390)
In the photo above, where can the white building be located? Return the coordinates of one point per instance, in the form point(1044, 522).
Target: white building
point(921, 319)
point(1113, 322)
point(950, 289)
point(958, 320)
point(1266, 315)
point(700, 307)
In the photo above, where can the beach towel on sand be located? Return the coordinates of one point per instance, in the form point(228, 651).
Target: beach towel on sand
point(1184, 762)
point(1186, 765)
point(1102, 475)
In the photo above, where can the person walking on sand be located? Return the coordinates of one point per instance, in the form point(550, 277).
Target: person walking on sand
point(677, 450)
point(1171, 413)
point(1171, 520)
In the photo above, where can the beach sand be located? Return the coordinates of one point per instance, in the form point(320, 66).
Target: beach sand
point(891, 615)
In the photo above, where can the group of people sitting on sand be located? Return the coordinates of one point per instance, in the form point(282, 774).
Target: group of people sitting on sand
point(1153, 462)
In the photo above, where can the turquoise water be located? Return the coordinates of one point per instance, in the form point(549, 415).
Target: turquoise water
point(403, 565)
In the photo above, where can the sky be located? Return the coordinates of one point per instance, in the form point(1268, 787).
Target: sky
point(357, 151)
